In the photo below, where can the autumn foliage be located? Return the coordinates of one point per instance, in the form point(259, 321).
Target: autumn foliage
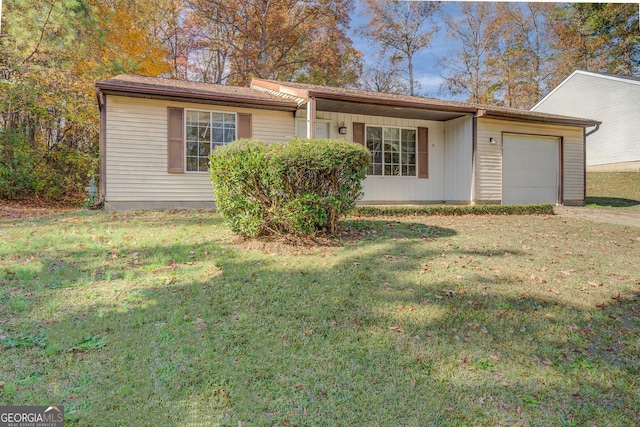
point(53, 51)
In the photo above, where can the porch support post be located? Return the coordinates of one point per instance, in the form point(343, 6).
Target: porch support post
point(311, 118)
point(474, 149)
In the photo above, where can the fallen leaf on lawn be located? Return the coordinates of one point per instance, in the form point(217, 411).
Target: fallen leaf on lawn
point(554, 291)
point(617, 296)
point(437, 297)
point(547, 362)
point(201, 325)
point(396, 328)
point(594, 284)
point(601, 304)
point(445, 264)
point(185, 317)
point(170, 281)
point(495, 357)
point(308, 332)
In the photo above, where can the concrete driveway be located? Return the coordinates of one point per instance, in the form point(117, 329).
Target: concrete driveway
point(600, 215)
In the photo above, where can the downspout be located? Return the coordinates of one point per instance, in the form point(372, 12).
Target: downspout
point(311, 118)
point(102, 107)
point(585, 134)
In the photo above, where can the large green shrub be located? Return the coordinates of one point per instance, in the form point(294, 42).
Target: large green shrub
point(299, 187)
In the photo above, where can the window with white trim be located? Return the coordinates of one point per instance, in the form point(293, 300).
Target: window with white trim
point(393, 151)
point(204, 131)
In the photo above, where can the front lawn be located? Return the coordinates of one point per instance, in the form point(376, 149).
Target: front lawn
point(165, 318)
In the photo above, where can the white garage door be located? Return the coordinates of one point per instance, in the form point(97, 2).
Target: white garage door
point(530, 166)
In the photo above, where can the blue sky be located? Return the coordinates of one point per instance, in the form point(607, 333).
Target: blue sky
point(425, 69)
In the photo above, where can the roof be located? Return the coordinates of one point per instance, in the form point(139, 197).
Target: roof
point(287, 96)
point(161, 88)
point(615, 77)
point(342, 100)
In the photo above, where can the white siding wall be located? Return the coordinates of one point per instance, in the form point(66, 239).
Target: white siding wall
point(458, 157)
point(489, 157)
point(614, 102)
point(136, 153)
point(378, 189)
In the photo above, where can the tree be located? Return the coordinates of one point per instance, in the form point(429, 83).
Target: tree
point(384, 79)
point(303, 40)
point(401, 29)
point(466, 69)
point(596, 37)
point(520, 57)
point(51, 54)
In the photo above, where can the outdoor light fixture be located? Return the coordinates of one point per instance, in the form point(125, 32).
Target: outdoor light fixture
point(492, 141)
point(342, 129)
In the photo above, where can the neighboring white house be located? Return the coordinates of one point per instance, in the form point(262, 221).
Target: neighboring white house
point(156, 135)
point(612, 99)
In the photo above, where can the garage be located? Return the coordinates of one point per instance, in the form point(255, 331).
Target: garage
point(530, 169)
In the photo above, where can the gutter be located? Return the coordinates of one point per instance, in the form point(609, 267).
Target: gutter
point(190, 96)
point(592, 131)
point(394, 103)
point(538, 119)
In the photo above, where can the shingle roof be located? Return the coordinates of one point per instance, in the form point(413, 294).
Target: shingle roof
point(308, 90)
point(181, 89)
point(289, 96)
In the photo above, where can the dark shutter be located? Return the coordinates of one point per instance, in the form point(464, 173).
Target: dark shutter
point(423, 153)
point(244, 126)
point(175, 134)
point(358, 133)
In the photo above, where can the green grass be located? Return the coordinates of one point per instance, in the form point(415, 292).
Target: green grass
point(613, 190)
point(152, 318)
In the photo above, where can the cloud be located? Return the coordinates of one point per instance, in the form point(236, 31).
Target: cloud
point(430, 82)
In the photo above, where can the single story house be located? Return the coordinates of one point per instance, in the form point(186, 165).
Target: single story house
point(156, 135)
point(612, 99)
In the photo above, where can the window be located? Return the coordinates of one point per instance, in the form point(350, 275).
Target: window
point(205, 130)
point(393, 151)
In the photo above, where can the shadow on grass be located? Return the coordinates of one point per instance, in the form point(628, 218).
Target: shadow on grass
point(358, 337)
point(613, 202)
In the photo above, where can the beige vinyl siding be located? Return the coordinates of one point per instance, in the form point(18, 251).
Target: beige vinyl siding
point(381, 189)
point(489, 157)
point(136, 152)
point(611, 100)
point(458, 153)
